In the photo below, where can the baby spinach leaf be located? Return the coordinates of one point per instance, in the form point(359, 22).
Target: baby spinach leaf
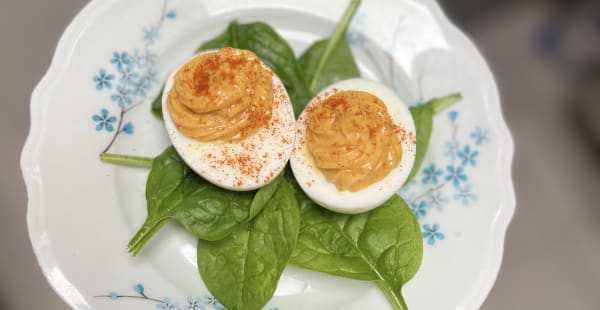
point(423, 118)
point(440, 104)
point(272, 49)
point(210, 212)
point(157, 104)
point(340, 66)
point(242, 270)
point(330, 60)
point(174, 191)
point(263, 196)
point(383, 245)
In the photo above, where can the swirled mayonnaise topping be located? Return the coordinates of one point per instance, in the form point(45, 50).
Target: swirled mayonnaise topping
point(223, 95)
point(352, 140)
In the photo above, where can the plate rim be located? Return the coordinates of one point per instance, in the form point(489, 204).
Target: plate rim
point(506, 213)
point(28, 164)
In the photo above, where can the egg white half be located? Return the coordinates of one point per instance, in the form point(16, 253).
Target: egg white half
point(245, 164)
point(325, 193)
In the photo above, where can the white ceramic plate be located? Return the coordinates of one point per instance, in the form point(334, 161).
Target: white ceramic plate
point(110, 63)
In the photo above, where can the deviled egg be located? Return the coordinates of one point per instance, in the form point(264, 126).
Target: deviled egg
point(230, 118)
point(355, 146)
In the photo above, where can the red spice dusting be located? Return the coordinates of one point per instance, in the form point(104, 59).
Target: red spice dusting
point(249, 147)
point(412, 138)
point(404, 135)
point(310, 108)
point(202, 74)
point(280, 94)
point(242, 163)
point(268, 177)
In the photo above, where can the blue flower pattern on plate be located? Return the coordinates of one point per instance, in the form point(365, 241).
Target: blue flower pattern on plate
point(103, 80)
point(456, 175)
point(121, 97)
point(151, 35)
point(128, 128)
point(171, 14)
point(437, 200)
point(480, 136)
point(453, 115)
point(431, 233)
point(419, 209)
point(465, 195)
point(104, 120)
point(452, 149)
point(135, 74)
point(141, 86)
point(209, 300)
point(431, 174)
point(439, 188)
point(193, 304)
point(121, 60)
point(167, 304)
point(206, 302)
point(138, 288)
point(128, 75)
point(149, 58)
point(468, 156)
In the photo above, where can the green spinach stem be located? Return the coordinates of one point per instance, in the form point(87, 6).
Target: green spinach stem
point(126, 160)
point(339, 32)
point(143, 235)
point(395, 298)
point(233, 34)
point(440, 104)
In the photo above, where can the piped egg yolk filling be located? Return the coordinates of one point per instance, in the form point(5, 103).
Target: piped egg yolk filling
point(352, 140)
point(224, 95)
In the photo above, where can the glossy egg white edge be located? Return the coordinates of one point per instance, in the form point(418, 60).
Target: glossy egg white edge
point(269, 148)
point(323, 192)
